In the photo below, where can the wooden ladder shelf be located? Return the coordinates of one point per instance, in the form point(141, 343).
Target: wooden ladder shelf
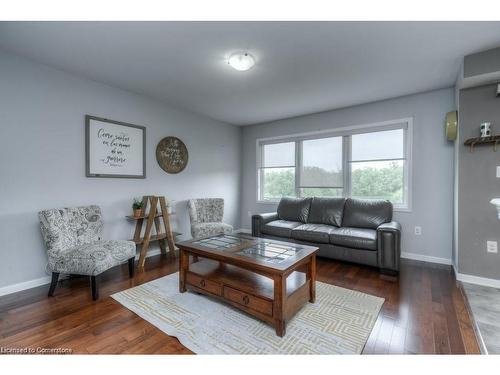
point(157, 217)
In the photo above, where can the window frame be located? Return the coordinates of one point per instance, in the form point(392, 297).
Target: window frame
point(260, 176)
point(346, 132)
point(300, 161)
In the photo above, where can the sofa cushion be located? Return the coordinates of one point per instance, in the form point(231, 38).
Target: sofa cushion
point(200, 230)
point(280, 228)
point(357, 238)
point(366, 213)
point(313, 233)
point(326, 211)
point(294, 209)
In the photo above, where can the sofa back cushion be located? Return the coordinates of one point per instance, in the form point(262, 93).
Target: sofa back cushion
point(366, 213)
point(327, 211)
point(294, 209)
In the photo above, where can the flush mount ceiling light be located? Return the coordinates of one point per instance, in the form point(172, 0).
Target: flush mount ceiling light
point(241, 61)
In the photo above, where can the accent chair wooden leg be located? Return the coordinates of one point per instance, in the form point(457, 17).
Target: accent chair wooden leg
point(131, 267)
point(94, 286)
point(53, 283)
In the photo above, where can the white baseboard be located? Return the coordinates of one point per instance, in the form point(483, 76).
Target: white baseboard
point(243, 230)
point(9, 289)
point(471, 279)
point(151, 253)
point(426, 258)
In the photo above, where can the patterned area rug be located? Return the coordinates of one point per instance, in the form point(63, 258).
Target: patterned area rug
point(339, 322)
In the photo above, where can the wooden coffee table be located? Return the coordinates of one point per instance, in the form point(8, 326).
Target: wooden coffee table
point(270, 280)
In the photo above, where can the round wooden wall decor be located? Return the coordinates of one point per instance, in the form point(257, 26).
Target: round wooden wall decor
point(172, 155)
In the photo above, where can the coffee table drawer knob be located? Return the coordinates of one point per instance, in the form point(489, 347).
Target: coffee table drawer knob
point(246, 300)
point(202, 283)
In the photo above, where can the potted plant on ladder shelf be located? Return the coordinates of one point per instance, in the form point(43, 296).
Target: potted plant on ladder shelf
point(137, 206)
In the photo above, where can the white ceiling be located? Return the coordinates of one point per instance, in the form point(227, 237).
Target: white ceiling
point(302, 67)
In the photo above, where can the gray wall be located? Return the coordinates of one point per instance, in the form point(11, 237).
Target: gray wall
point(482, 63)
point(456, 149)
point(432, 163)
point(477, 185)
point(42, 159)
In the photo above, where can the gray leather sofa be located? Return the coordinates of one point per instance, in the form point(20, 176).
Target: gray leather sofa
point(354, 230)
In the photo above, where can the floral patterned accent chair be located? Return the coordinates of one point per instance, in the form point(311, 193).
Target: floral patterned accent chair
point(206, 217)
point(74, 246)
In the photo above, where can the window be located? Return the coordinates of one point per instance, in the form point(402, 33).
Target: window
point(364, 162)
point(377, 165)
point(321, 171)
point(277, 175)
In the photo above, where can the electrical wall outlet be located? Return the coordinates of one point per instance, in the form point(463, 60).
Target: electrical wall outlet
point(418, 231)
point(249, 214)
point(498, 171)
point(491, 247)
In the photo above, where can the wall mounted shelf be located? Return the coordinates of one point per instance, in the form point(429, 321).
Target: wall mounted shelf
point(478, 141)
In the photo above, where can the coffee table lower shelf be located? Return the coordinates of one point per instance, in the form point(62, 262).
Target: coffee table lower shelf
point(251, 292)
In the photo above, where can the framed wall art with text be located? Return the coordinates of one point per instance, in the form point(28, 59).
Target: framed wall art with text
point(114, 149)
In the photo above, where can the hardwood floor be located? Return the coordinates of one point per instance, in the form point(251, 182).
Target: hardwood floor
point(424, 312)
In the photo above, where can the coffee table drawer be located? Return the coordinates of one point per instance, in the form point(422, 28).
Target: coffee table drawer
point(248, 300)
point(202, 283)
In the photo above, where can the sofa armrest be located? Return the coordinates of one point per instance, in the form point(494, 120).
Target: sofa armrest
point(392, 226)
point(259, 220)
point(389, 246)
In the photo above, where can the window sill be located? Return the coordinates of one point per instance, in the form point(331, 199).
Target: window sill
point(268, 202)
point(395, 209)
point(402, 209)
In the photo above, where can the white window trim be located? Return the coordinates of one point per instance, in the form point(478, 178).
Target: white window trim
point(343, 131)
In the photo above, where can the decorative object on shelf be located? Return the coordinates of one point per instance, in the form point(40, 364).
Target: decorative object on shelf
point(451, 124)
point(114, 149)
point(496, 202)
point(485, 129)
point(172, 155)
point(163, 230)
point(472, 142)
point(137, 207)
